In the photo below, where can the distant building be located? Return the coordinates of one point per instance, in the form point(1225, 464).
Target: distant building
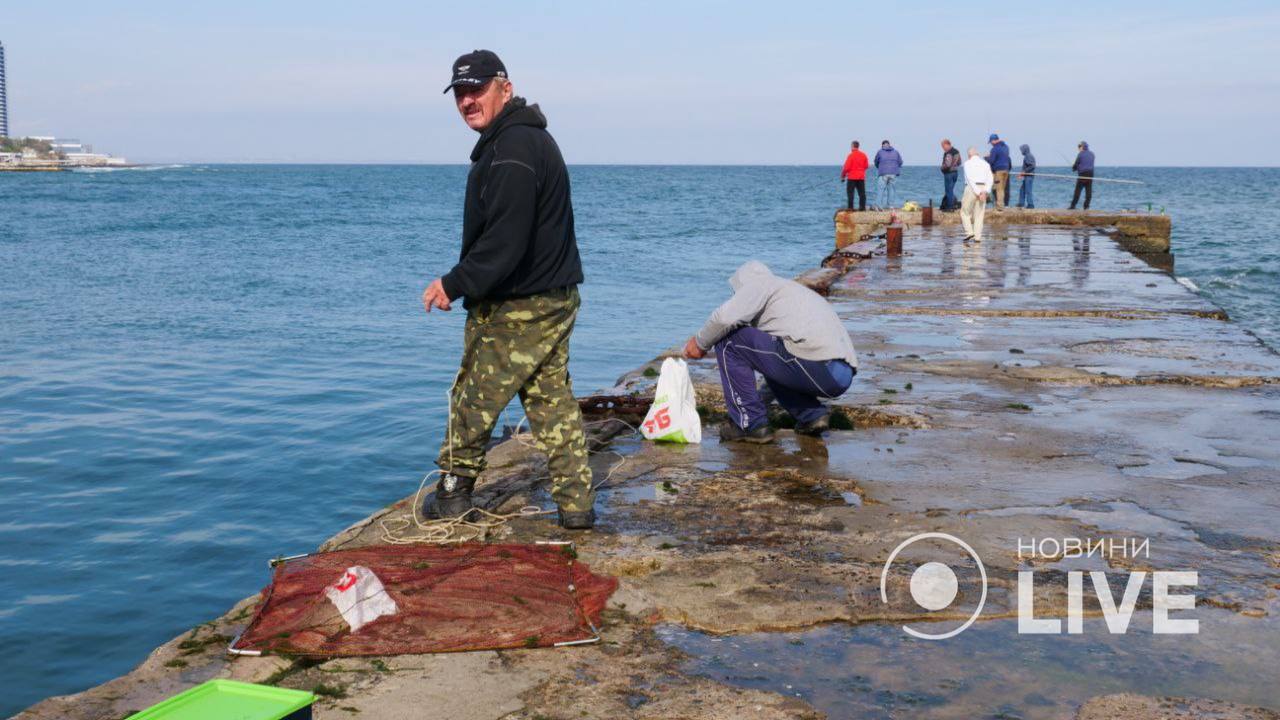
point(76, 153)
point(47, 150)
point(69, 146)
point(4, 98)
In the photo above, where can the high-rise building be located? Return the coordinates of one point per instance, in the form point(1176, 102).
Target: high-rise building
point(4, 99)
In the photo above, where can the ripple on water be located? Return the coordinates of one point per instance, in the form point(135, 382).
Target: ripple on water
point(120, 537)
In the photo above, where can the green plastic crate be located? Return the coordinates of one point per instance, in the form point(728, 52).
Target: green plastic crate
point(231, 700)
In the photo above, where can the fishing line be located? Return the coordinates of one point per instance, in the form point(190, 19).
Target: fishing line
point(803, 190)
point(1094, 179)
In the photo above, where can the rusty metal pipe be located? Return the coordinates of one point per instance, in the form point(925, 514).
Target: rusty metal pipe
point(893, 239)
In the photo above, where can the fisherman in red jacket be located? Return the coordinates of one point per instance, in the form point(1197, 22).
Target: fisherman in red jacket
point(854, 175)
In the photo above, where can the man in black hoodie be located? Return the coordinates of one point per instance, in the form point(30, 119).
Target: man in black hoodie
point(519, 273)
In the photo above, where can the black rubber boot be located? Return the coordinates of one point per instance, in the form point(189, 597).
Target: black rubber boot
point(732, 433)
point(577, 520)
point(815, 427)
point(452, 497)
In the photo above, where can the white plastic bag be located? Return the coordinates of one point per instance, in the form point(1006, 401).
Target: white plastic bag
point(360, 597)
point(673, 417)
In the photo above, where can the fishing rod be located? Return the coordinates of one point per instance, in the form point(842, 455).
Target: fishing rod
point(806, 189)
point(1067, 160)
point(1095, 179)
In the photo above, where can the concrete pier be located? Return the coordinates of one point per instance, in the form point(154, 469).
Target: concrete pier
point(1045, 383)
point(1138, 232)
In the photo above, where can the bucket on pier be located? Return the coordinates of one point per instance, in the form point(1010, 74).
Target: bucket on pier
point(893, 239)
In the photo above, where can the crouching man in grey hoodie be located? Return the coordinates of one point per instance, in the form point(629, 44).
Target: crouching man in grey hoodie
point(787, 333)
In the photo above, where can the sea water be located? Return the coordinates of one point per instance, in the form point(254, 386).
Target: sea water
point(203, 367)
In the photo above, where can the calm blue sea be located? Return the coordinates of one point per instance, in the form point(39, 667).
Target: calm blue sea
point(203, 367)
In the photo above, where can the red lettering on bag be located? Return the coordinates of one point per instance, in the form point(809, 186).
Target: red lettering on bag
point(661, 420)
point(347, 582)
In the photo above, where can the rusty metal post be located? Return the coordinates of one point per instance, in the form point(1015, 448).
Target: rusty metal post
point(926, 215)
point(893, 240)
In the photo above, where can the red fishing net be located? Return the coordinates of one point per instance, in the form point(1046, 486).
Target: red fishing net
point(389, 600)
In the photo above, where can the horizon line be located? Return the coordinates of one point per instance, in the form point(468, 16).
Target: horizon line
point(644, 164)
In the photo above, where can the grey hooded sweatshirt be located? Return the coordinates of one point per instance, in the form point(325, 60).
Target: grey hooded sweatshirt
point(803, 319)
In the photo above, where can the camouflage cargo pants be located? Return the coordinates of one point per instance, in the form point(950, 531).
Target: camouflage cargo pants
point(521, 346)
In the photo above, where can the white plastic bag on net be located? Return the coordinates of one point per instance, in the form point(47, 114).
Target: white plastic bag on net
point(673, 416)
point(360, 597)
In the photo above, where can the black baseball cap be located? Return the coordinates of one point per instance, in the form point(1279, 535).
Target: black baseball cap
point(476, 68)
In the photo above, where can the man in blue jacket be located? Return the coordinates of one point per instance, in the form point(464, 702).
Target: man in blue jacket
point(888, 165)
point(1000, 165)
point(1084, 175)
point(1028, 175)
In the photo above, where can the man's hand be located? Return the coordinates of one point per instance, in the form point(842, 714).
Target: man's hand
point(434, 296)
point(692, 351)
point(982, 197)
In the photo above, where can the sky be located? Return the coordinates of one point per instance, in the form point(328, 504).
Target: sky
point(693, 82)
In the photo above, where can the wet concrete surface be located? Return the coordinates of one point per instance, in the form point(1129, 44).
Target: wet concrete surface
point(990, 671)
point(1041, 385)
point(1065, 390)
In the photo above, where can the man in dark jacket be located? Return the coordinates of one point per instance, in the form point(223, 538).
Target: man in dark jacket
point(951, 162)
point(1084, 175)
point(1000, 165)
point(519, 272)
point(1028, 175)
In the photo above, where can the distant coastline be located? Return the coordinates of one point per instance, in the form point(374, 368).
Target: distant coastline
point(49, 154)
point(62, 167)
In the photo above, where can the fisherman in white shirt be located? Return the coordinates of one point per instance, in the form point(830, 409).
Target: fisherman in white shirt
point(977, 183)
